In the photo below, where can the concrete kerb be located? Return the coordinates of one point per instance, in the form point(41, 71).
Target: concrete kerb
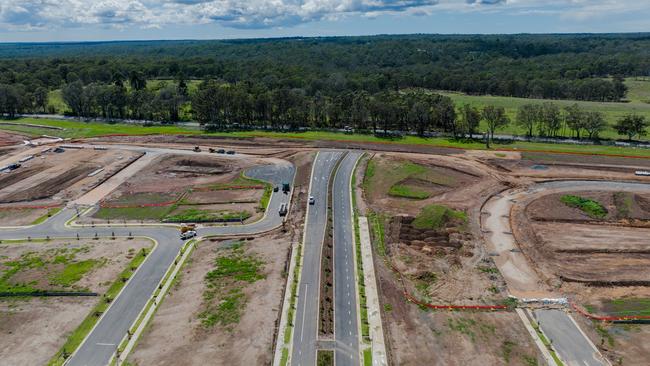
point(540, 345)
point(168, 279)
point(116, 297)
point(379, 355)
point(31, 225)
point(284, 321)
point(354, 259)
point(329, 218)
point(593, 346)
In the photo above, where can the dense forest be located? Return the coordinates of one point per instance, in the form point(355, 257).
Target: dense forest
point(322, 82)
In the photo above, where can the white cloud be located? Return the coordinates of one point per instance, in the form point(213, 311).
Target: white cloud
point(48, 14)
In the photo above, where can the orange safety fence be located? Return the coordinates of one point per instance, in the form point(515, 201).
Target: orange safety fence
point(224, 188)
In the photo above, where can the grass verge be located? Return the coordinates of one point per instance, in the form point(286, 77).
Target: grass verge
point(546, 343)
point(51, 212)
point(79, 129)
point(363, 305)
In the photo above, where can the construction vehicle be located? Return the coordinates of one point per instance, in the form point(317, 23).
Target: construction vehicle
point(212, 150)
point(197, 149)
point(187, 227)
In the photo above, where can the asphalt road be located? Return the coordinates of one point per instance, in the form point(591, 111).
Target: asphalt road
point(305, 333)
point(571, 345)
point(346, 324)
point(101, 343)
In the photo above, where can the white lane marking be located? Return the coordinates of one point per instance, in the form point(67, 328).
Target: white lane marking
point(105, 344)
point(304, 306)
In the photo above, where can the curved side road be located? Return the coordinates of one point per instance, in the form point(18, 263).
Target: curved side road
point(101, 342)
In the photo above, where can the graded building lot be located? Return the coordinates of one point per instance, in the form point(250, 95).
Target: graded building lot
point(23, 216)
point(51, 178)
point(600, 260)
point(434, 242)
point(223, 309)
point(33, 329)
point(9, 139)
point(182, 188)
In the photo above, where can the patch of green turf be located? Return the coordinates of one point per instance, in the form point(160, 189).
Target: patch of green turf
point(324, 357)
point(198, 215)
point(627, 306)
point(133, 213)
point(400, 190)
point(590, 207)
point(224, 299)
point(438, 216)
point(59, 266)
point(367, 357)
point(240, 268)
point(51, 212)
point(73, 272)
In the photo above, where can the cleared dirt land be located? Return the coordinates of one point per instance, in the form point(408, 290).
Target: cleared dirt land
point(181, 188)
point(603, 241)
point(593, 246)
point(223, 309)
point(426, 210)
point(51, 178)
point(33, 329)
point(9, 139)
point(211, 317)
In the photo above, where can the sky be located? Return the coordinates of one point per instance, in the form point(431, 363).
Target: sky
point(98, 20)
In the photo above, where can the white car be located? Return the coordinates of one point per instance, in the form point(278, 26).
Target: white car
point(312, 200)
point(188, 234)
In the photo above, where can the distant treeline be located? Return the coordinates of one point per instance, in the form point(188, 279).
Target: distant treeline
point(580, 67)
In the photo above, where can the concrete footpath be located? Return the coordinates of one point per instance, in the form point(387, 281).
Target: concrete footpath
point(372, 298)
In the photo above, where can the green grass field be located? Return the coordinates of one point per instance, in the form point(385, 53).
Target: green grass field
point(133, 213)
point(78, 129)
point(611, 111)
